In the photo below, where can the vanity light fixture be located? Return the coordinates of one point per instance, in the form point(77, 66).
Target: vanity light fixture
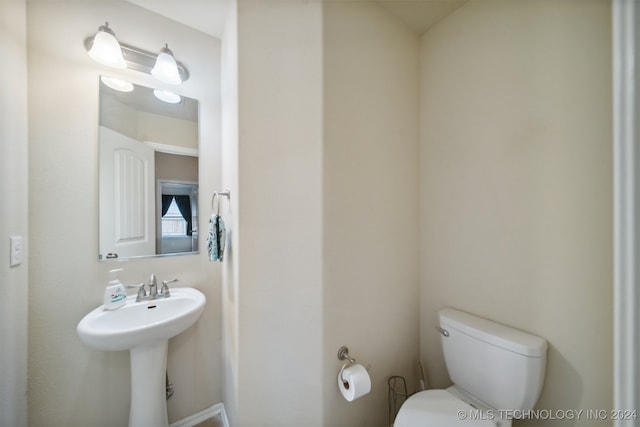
point(105, 48)
point(168, 69)
point(117, 84)
point(167, 96)
point(165, 68)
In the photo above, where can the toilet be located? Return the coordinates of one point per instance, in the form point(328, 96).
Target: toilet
point(497, 373)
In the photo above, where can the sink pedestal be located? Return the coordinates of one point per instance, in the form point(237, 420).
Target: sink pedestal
point(144, 328)
point(148, 376)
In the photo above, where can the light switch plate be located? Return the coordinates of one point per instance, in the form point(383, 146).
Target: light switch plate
point(15, 250)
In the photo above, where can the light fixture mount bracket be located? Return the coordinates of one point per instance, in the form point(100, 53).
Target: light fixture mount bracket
point(106, 29)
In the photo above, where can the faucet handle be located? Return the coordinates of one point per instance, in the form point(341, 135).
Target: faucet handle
point(139, 287)
point(142, 293)
point(165, 288)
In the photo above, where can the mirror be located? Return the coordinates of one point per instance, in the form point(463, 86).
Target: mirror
point(148, 172)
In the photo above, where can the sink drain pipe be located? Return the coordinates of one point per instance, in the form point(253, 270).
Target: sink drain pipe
point(168, 387)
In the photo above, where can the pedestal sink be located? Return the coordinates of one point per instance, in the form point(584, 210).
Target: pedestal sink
point(144, 328)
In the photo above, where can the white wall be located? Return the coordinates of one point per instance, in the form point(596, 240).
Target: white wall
point(165, 130)
point(70, 384)
point(278, 302)
point(13, 213)
point(548, 245)
point(147, 127)
point(370, 203)
point(230, 282)
point(309, 204)
point(516, 188)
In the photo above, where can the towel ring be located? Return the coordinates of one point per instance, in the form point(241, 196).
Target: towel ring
point(217, 194)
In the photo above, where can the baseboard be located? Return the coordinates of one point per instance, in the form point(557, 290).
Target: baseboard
point(213, 411)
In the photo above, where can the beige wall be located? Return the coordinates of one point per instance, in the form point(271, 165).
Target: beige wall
point(370, 203)
point(302, 242)
point(177, 167)
point(166, 130)
point(278, 299)
point(514, 202)
point(514, 197)
point(13, 213)
point(229, 152)
point(516, 224)
point(147, 127)
point(70, 384)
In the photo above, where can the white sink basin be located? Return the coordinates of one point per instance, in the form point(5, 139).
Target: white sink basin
point(144, 328)
point(142, 323)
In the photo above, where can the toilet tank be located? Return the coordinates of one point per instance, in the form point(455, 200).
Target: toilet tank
point(498, 365)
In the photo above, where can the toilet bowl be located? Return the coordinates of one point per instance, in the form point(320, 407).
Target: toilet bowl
point(442, 408)
point(496, 370)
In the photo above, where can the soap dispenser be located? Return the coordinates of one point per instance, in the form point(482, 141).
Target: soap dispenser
point(115, 295)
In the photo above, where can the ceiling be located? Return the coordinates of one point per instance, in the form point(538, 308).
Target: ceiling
point(208, 15)
point(204, 15)
point(420, 15)
point(142, 99)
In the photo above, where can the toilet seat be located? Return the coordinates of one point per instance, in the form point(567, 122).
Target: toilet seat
point(439, 408)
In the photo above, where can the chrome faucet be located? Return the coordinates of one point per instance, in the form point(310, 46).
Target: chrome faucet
point(154, 293)
point(153, 286)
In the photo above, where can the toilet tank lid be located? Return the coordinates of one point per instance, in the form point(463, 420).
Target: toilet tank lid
point(493, 333)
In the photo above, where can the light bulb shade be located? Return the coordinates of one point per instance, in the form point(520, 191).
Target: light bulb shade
point(106, 49)
point(117, 84)
point(166, 68)
point(166, 96)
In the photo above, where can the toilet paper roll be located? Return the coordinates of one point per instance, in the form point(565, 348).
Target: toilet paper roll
point(354, 382)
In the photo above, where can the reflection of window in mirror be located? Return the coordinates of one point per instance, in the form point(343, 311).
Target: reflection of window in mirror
point(174, 221)
point(177, 217)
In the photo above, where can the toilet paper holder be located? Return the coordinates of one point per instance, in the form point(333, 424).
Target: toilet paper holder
point(343, 354)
